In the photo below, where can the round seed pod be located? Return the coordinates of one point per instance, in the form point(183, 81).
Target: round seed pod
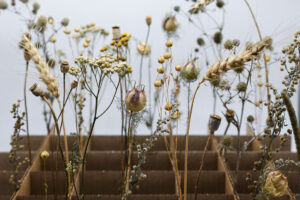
point(41, 24)
point(178, 68)
point(157, 83)
point(36, 90)
point(168, 107)
point(74, 84)
point(148, 20)
point(135, 100)
point(169, 43)
point(64, 66)
point(167, 55)
point(250, 118)
point(35, 7)
point(143, 48)
point(190, 71)
point(51, 63)
point(220, 3)
point(176, 8)
point(214, 122)
point(241, 87)
point(170, 24)
point(161, 60)
point(228, 44)
point(160, 70)
point(218, 37)
point(65, 21)
point(3, 5)
point(200, 41)
point(45, 155)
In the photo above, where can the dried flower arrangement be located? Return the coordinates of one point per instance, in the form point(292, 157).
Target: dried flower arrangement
point(230, 73)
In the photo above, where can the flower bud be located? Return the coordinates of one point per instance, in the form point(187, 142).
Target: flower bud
point(45, 155)
point(64, 66)
point(143, 48)
point(214, 123)
point(161, 60)
point(178, 68)
point(135, 100)
point(276, 184)
point(167, 55)
point(148, 20)
point(157, 83)
point(116, 32)
point(168, 106)
point(160, 70)
point(169, 43)
point(170, 24)
point(36, 90)
point(190, 70)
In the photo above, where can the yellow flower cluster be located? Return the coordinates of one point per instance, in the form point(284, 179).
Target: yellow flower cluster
point(124, 38)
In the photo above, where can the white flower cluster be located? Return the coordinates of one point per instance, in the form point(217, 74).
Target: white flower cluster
point(89, 29)
point(107, 63)
point(74, 71)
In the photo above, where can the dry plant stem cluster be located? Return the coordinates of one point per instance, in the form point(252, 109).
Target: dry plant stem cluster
point(213, 72)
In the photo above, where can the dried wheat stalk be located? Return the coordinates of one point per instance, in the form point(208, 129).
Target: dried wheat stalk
point(42, 67)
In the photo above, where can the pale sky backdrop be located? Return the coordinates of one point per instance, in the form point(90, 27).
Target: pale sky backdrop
point(277, 18)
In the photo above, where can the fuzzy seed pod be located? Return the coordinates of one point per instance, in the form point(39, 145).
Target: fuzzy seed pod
point(160, 70)
point(37, 90)
point(157, 83)
point(167, 55)
point(241, 87)
point(116, 32)
point(45, 155)
point(64, 67)
point(250, 119)
point(170, 24)
point(190, 71)
point(228, 44)
point(143, 48)
point(276, 184)
point(41, 24)
point(148, 20)
point(214, 123)
point(161, 60)
point(227, 141)
point(3, 5)
point(218, 37)
point(64, 22)
point(169, 43)
point(135, 100)
point(178, 68)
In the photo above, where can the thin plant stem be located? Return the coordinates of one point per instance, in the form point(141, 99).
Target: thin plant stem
point(45, 181)
point(202, 162)
point(141, 63)
point(122, 129)
point(26, 114)
point(187, 141)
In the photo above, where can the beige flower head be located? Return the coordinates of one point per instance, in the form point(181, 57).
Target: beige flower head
point(45, 155)
point(276, 184)
point(143, 48)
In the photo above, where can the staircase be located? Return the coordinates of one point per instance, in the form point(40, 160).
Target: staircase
point(103, 171)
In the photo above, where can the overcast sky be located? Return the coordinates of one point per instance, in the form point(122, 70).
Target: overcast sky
point(277, 18)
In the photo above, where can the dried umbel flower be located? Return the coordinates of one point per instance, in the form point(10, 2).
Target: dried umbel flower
point(135, 100)
point(42, 67)
point(45, 155)
point(64, 22)
point(241, 87)
point(190, 71)
point(143, 48)
point(148, 20)
point(170, 24)
point(116, 33)
point(37, 90)
point(214, 123)
point(3, 4)
point(276, 184)
point(64, 66)
point(227, 141)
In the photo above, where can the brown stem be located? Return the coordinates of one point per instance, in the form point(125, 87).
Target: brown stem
point(202, 163)
point(187, 141)
point(26, 114)
point(294, 122)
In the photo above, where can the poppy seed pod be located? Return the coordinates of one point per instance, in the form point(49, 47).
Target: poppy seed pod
point(170, 24)
point(36, 90)
point(116, 32)
point(214, 123)
point(135, 100)
point(45, 155)
point(64, 66)
point(143, 48)
point(276, 184)
point(190, 70)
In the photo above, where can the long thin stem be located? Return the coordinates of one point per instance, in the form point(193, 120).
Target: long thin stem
point(202, 163)
point(141, 64)
point(45, 180)
point(122, 129)
point(26, 114)
point(187, 141)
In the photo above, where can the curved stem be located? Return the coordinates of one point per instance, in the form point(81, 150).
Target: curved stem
point(26, 114)
point(187, 141)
